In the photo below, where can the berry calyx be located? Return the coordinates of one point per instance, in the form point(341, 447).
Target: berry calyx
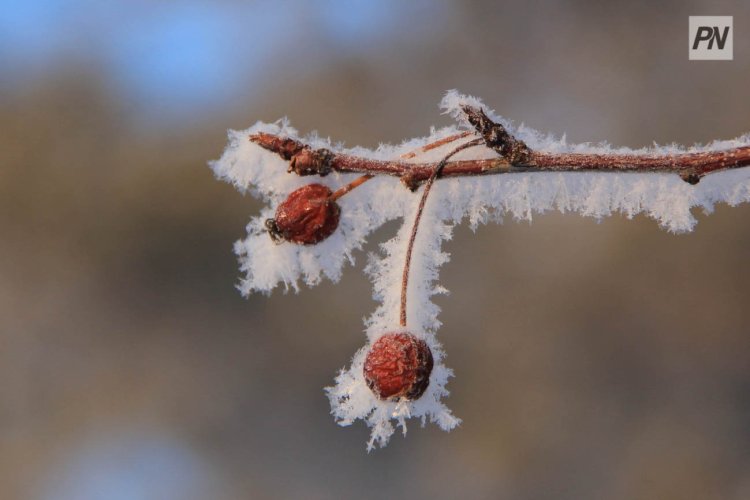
point(398, 366)
point(308, 216)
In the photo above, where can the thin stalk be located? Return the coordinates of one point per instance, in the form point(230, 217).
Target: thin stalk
point(345, 189)
point(436, 144)
point(428, 185)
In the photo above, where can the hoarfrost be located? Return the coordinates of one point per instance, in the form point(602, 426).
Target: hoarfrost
point(663, 197)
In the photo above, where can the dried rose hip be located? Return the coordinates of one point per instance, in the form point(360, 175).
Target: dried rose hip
point(398, 366)
point(307, 216)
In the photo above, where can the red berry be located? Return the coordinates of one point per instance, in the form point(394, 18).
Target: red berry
point(398, 366)
point(307, 216)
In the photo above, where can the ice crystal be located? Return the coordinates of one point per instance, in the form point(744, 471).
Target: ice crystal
point(477, 200)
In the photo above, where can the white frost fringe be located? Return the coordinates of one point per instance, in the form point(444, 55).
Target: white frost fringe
point(663, 197)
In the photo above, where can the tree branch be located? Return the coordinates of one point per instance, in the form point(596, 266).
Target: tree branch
point(515, 156)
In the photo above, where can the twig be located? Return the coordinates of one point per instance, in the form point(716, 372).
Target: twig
point(515, 157)
point(436, 144)
point(411, 154)
point(428, 185)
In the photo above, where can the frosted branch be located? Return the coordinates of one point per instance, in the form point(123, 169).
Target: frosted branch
point(691, 167)
point(459, 167)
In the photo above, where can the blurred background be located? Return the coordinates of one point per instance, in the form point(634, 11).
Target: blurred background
point(593, 360)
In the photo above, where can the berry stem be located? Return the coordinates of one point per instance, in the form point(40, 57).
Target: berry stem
point(345, 189)
point(428, 185)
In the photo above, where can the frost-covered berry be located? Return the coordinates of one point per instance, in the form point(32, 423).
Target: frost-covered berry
point(306, 217)
point(398, 366)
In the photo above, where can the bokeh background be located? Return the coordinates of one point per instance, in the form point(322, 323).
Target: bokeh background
point(593, 359)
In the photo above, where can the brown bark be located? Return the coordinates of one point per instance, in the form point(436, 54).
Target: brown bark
point(690, 166)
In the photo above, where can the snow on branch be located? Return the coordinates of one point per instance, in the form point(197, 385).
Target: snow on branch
point(321, 225)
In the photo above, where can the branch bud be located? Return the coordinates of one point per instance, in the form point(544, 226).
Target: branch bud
point(303, 160)
point(690, 176)
point(496, 137)
point(311, 162)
